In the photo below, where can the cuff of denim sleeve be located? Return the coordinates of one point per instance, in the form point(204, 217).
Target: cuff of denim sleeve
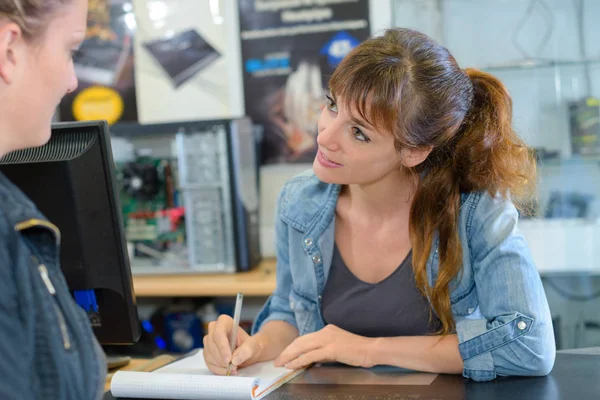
point(478, 363)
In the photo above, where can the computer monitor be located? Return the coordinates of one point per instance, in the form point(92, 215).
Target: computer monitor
point(71, 179)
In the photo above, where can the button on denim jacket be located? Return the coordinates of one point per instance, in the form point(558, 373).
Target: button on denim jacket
point(501, 312)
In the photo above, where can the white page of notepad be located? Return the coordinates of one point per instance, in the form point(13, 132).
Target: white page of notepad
point(190, 378)
point(180, 386)
point(266, 372)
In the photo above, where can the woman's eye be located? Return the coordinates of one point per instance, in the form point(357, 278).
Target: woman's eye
point(358, 135)
point(331, 104)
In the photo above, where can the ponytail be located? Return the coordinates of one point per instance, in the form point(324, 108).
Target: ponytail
point(489, 154)
point(485, 155)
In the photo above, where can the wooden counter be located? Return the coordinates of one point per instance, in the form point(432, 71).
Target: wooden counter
point(258, 282)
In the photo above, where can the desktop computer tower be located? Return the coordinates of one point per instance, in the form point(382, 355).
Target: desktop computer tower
point(215, 170)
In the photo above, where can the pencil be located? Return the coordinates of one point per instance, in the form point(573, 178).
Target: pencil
point(236, 324)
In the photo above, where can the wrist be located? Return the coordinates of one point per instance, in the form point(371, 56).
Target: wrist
point(373, 353)
point(260, 340)
point(370, 351)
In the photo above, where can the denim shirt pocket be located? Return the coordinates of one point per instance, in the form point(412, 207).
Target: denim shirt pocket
point(304, 311)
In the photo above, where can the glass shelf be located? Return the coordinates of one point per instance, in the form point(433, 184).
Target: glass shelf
point(564, 162)
point(539, 63)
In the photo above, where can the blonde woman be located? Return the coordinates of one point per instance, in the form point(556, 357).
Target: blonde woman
point(47, 347)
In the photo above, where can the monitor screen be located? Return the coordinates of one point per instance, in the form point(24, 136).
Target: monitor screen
point(71, 180)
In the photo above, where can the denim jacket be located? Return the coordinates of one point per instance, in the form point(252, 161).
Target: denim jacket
point(498, 302)
point(47, 347)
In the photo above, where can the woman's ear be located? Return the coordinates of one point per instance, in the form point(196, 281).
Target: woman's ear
point(411, 157)
point(11, 41)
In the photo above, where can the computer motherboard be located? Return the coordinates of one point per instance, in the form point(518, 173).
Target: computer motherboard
point(153, 215)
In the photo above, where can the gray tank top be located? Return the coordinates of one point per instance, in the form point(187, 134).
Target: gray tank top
point(392, 307)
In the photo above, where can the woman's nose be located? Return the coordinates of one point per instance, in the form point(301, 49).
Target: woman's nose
point(328, 136)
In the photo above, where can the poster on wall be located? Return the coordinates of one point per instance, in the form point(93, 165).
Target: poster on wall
point(289, 51)
point(104, 66)
point(187, 64)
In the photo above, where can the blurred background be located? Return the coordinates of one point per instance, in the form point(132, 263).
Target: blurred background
point(213, 105)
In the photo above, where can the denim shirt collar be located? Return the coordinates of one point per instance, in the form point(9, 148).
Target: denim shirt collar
point(315, 213)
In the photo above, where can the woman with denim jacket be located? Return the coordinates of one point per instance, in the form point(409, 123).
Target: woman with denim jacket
point(47, 347)
point(417, 163)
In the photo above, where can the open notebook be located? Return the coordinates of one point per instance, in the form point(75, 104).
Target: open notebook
point(190, 379)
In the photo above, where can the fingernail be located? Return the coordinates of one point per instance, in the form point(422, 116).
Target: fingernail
point(235, 361)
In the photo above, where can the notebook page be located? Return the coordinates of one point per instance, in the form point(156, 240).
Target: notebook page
point(147, 385)
point(266, 372)
point(193, 364)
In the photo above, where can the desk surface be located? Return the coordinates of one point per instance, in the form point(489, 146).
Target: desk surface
point(258, 282)
point(575, 376)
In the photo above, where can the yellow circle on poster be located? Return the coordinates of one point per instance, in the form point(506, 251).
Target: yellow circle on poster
point(98, 102)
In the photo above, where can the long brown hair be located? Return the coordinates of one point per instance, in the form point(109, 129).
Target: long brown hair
point(406, 83)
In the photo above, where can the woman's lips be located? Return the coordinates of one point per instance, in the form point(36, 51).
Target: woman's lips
point(327, 163)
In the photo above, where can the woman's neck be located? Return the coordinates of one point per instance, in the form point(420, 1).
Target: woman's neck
point(6, 130)
point(387, 198)
point(4, 147)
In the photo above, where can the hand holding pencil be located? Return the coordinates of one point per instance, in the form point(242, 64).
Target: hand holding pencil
point(227, 346)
